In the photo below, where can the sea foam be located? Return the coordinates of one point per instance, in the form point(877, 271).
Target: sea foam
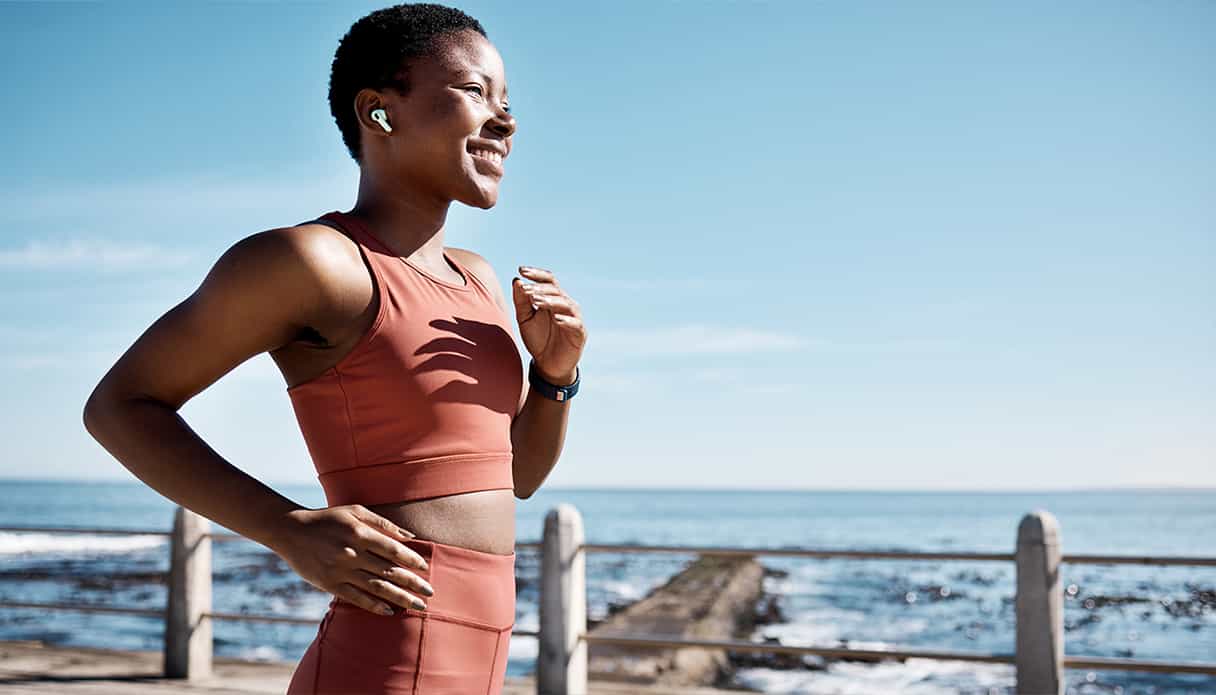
point(74, 544)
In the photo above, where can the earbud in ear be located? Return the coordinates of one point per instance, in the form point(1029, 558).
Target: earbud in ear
point(379, 116)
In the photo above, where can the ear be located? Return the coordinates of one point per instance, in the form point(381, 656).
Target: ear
point(366, 101)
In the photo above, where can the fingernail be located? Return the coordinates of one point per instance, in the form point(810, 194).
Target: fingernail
point(419, 604)
point(386, 610)
point(428, 591)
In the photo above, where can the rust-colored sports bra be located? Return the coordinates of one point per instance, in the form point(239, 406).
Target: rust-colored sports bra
point(422, 405)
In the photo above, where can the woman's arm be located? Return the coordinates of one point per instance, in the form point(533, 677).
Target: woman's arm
point(248, 303)
point(538, 434)
point(255, 299)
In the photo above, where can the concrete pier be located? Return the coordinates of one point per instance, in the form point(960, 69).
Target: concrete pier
point(713, 598)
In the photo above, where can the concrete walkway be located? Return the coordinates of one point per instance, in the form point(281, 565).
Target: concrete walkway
point(33, 667)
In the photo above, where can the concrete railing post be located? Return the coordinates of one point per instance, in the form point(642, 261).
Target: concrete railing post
point(561, 665)
point(1039, 607)
point(187, 631)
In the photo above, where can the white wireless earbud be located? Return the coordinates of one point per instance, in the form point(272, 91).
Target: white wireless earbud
point(379, 116)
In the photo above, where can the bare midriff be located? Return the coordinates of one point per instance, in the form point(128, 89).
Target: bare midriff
point(483, 520)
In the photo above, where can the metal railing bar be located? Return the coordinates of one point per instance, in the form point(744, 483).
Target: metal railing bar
point(799, 552)
point(260, 617)
point(771, 648)
point(1139, 560)
point(902, 555)
point(1138, 665)
point(88, 608)
point(87, 530)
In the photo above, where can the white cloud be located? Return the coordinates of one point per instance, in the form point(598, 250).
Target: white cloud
point(612, 382)
point(166, 200)
point(665, 284)
point(91, 254)
point(59, 360)
point(672, 380)
point(695, 339)
point(703, 339)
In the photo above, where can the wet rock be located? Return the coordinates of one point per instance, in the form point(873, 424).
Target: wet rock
point(1100, 601)
point(1087, 619)
point(784, 662)
point(1204, 597)
point(927, 592)
point(263, 564)
point(84, 578)
point(972, 577)
point(768, 610)
point(1183, 608)
point(289, 591)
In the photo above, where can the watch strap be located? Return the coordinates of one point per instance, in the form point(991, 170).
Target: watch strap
point(550, 390)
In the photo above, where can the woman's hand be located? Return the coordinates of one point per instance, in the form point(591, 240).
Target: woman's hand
point(553, 331)
point(354, 554)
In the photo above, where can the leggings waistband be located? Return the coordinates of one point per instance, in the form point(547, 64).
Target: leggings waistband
point(470, 585)
point(456, 555)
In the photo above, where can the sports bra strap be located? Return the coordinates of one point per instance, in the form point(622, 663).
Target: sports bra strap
point(354, 228)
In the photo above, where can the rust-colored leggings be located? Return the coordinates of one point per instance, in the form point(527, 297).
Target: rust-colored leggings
point(457, 645)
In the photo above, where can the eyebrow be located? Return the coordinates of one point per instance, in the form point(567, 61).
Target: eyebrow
point(487, 79)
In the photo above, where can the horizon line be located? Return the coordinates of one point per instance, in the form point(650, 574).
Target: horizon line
point(1163, 487)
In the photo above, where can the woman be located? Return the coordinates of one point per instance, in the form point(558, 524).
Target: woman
point(401, 370)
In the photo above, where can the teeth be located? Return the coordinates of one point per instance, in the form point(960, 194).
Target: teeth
point(490, 155)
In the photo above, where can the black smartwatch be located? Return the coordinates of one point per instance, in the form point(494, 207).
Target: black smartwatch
point(552, 391)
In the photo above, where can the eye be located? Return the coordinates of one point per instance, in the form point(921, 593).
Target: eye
point(481, 92)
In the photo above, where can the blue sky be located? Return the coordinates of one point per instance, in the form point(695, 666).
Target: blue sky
point(817, 245)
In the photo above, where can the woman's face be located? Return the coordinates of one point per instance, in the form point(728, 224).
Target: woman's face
point(455, 107)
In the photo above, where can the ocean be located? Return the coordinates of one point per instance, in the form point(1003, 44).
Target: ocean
point(1156, 613)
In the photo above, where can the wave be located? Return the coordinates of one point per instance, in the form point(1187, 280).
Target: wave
point(75, 544)
point(913, 677)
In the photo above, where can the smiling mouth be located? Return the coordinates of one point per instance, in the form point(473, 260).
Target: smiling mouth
point(488, 154)
point(491, 160)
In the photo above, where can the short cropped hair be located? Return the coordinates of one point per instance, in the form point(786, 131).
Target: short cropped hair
point(377, 50)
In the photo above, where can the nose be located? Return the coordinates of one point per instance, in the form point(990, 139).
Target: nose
point(503, 122)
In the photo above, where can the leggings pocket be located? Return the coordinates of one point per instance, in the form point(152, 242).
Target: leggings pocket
point(368, 653)
point(460, 655)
